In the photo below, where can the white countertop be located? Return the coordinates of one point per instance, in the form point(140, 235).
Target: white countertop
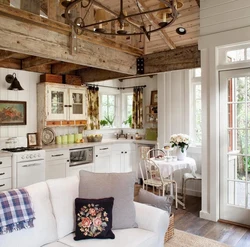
point(92, 144)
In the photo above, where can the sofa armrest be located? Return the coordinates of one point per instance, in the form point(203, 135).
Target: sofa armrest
point(152, 219)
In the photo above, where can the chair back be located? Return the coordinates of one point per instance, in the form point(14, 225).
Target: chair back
point(154, 152)
point(150, 171)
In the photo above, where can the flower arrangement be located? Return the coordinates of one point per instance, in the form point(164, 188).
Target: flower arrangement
point(180, 140)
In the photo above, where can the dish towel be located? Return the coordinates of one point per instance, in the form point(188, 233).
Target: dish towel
point(16, 211)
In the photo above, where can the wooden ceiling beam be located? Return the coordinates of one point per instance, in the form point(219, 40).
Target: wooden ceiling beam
point(198, 3)
point(31, 62)
point(11, 63)
point(64, 68)
point(44, 68)
point(42, 42)
point(6, 54)
point(62, 28)
point(94, 75)
point(154, 22)
point(180, 58)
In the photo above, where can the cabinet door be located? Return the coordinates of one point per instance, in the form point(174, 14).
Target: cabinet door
point(128, 161)
point(57, 102)
point(56, 169)
point(102, 163)
point(116, 161)
point(77, 101)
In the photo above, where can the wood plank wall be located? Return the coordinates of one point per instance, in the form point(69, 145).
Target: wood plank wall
point(222, 15)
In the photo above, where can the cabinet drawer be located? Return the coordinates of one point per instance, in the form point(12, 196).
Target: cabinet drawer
point(5, 173)
point(124, 146)
point(68, 122)
point(5, 162)
point(5, 184)
point(104, 149)
point(81, 122)
point(53, 123)
point(57, 155)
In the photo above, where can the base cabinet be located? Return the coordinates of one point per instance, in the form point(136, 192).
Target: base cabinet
point(56, 163)
point(102, 158)
point(74, 170)
point(5, 173)
point(123, 158)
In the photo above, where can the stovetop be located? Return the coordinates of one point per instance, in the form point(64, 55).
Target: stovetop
point(21, 149)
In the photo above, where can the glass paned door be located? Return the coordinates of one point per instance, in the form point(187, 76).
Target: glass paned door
point(77, 104)
point(235, 146)
point(56, 101)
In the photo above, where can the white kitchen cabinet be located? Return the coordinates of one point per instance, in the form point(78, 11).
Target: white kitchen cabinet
point(74, 170)
point(5, 173)
point(57, 162)
point(60, 105)
point(102, 158)
point(123, 157)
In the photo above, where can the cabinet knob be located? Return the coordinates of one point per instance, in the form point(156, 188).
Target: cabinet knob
point(96, 155)
point(122, 152)
point(1, 162)
point(125, 152)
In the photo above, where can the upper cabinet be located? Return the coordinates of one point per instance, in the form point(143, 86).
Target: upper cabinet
point(61, 105)
point(66, 103)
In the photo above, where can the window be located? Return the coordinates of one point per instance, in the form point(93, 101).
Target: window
point(127, 103)
point(107, 110)
point(235, 55)
point(196, 133)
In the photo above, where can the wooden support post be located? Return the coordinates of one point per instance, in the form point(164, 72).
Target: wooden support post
point(73, 42)
point(32, 6)
point(52, 9)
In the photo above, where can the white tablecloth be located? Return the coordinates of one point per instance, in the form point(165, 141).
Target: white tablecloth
point(167, 168)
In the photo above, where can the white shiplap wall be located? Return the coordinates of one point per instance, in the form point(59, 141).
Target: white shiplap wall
point(174, 117)
point(28, 81)
point(223, 15)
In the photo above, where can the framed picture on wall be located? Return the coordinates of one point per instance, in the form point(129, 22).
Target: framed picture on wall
point(12, 112)
point(32, 139)
point(154, 98)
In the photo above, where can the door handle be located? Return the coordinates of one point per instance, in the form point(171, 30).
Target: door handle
point(1, 185)
point(34, 164)
point(56, 155)
point(2, 173)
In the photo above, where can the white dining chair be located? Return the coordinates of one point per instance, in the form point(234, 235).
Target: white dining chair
point(154, 152)
point(185, 178)
point(151, 176)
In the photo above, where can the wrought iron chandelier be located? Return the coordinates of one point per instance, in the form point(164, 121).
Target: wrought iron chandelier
point(97, 18)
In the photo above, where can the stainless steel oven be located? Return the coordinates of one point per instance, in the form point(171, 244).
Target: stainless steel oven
point(80, 156)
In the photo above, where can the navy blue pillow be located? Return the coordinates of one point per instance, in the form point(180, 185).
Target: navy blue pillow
point(93, 218)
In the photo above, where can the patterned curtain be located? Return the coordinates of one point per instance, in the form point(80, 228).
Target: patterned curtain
point(137, 119)
point(93, 108)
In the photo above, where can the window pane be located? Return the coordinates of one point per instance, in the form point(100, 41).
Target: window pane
point(197, 72)
point(235, 56)
point(248, 53)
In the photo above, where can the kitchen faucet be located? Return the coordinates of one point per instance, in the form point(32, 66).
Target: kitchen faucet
point(121, 134)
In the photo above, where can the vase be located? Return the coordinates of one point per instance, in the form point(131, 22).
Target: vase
point(181, 155)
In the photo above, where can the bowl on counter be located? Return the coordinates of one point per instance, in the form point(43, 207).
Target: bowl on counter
point(94, 138)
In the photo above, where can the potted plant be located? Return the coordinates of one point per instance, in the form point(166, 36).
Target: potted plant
point(128, 121)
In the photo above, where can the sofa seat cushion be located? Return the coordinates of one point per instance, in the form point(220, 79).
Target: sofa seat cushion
point(44, 230)
point(132, 237)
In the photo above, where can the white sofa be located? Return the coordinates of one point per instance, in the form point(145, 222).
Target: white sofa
point(53, 203)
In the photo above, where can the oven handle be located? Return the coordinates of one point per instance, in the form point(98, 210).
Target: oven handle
point(34, 164)
point(56, 155)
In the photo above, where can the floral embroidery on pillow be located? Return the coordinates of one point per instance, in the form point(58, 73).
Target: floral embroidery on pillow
point(92, 220)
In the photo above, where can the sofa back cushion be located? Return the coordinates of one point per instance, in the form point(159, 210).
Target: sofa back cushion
point(44, 230)
point(63, 192)
point(117, 185)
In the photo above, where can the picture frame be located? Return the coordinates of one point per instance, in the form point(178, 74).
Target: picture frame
point(32, 139)
point(13, 112)
point(154, 98)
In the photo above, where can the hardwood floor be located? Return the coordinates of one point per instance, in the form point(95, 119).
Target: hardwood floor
point(188, 220)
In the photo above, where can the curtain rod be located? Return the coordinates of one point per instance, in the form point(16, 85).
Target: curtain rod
point(118, 88)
